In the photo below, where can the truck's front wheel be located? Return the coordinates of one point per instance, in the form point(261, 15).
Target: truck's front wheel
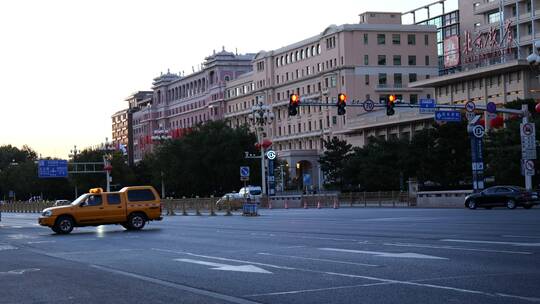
point(136, 221)
point(63, 225)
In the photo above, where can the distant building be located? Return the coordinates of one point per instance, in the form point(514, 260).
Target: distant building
point(371, 60)
point(180, 102)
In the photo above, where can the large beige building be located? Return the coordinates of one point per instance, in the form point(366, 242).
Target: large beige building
point(496, 38)
point(370, 60)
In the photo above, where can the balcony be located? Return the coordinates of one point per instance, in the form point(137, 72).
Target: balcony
point(396, 87)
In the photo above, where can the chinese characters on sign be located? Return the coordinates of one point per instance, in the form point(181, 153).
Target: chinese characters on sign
point(487, 45)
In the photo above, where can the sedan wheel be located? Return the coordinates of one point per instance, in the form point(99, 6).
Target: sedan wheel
point(511, 204)
point(471, 204)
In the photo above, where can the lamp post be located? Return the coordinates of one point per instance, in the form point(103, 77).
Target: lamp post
point(161, 135)
point(73, 155)
point(261, 116)
point(107, 148)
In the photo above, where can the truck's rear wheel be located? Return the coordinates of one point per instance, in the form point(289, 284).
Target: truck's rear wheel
point(136, 221)
point(63, 225)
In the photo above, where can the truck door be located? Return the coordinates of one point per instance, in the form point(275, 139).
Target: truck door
point(91, 210)
point(114, 209)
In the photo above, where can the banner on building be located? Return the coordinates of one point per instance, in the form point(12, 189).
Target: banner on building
point(451, 51)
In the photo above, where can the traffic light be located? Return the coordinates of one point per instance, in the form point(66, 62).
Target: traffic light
point(341, 103)
point(390, 103)
point(293, 104)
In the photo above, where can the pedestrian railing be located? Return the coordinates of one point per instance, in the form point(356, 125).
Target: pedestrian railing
point(376, 199)
point(207, 205)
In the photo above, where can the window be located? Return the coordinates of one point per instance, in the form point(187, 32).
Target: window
point(366, 59)
point(529, 28)
point(412, 60)
point(382, 79)
point(381, 39)
point(113, 199)
point(381, 60)
point(366, 38)
point(413, 99)
point(411, 39)
point(494, 17)
point(412, 77)
point(367, 80)
point(396, 39)
point(397, 59)
point(334, 120)
point(427, 60)
point(140, 195)
point(93, 200)
point(398, 80)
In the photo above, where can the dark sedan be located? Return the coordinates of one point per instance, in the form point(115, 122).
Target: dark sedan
point(506, 196)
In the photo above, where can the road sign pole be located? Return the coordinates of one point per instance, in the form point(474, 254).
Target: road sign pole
point(525, 120)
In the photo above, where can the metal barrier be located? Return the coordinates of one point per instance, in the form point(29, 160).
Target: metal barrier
point(25, 207)
point(376, 199)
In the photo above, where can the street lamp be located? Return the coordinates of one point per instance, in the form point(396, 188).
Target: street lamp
point(161, 135)
point(261, 116)
point(73, 155)
point(107, 148)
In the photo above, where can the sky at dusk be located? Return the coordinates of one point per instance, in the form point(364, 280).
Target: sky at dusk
point(67, 66)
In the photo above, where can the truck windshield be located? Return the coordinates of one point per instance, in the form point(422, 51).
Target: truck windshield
point(80, 199)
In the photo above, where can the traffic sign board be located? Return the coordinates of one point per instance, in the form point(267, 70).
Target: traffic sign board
point(427, 106)
point(470, 106)
point(477, 166)
point(271, 154)
point(528, 154)
point(527, 129)
point(52, 168)
point(470, 115)
point(478, 131)
point(450, 116)
point(491, 107)
point(368, 105)
point(244, 171)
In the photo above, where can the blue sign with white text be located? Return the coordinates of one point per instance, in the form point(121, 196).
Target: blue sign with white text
point(427, 105)
point(450, 116)
point(52, 168)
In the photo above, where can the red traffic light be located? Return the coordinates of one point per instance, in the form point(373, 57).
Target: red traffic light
point(294, 98)
point(392, 98)
point(342, 98)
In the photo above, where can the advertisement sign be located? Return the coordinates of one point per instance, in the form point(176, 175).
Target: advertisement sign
point(451, 51)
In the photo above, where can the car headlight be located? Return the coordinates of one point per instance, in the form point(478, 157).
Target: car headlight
point(46, 213)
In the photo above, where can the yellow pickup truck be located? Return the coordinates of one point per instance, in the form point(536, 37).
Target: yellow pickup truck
point(130, 207)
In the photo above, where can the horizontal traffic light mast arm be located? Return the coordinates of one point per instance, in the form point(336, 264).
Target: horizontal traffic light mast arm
point(408, 105)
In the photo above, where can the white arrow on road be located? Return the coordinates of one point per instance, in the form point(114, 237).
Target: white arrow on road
point(408, 255)
point(218, 266)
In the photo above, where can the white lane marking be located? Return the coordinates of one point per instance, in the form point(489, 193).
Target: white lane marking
point(40, 242)
point(98, 251)
point(314, 290)
point(193, 290)
point(411, 283)
point(315, 259)
point(308, 237)
point(521, 236)
point(19, 271)
point(454, 248)
point(226, 267)
point(407, 255)
point(7, 247)
point(530, 299)
point(493, 242)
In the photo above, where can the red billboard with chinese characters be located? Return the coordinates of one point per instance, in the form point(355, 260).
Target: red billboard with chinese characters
point(451, 51)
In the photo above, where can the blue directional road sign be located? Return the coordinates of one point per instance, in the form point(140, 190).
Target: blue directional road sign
point(52, 168)
point(450, 116)
point(427, 106)
point(244, 171)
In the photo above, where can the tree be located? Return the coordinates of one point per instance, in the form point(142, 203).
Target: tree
point(334, 160)
point(206, 161)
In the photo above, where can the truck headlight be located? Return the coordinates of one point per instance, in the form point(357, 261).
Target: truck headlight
point(46, 213)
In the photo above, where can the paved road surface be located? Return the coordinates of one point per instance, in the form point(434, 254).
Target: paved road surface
point(284, 256)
